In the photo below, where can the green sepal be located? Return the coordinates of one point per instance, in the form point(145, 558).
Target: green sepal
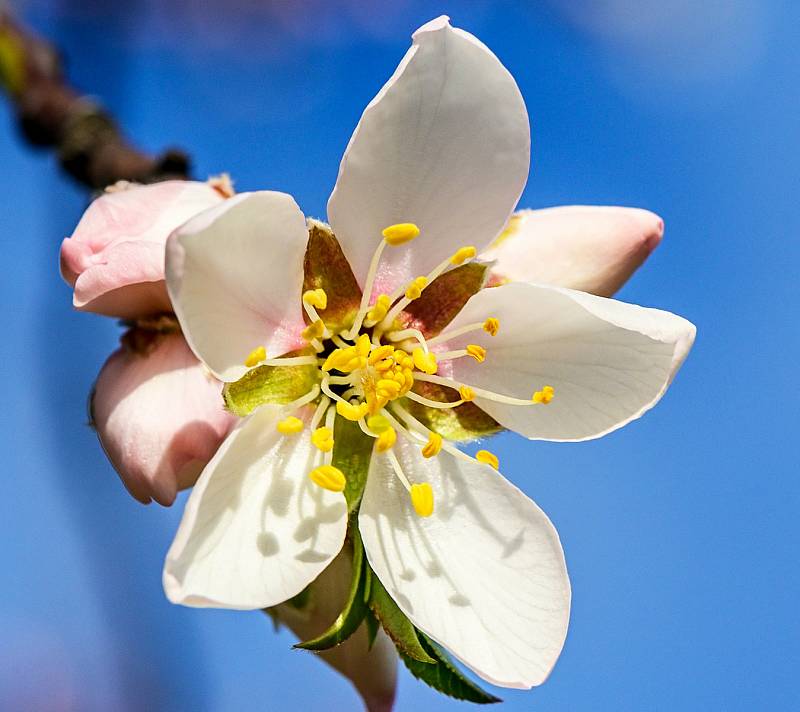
point(444, 676)
point(352, 451)
point(396, 624)
point(348, 621)
point(460, 424)
point(268, 384)
point(443, 298)
point(373, 626)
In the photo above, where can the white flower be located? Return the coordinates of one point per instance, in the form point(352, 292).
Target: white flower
point(435, 166)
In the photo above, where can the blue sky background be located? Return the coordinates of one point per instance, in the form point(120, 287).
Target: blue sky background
point(680, 531)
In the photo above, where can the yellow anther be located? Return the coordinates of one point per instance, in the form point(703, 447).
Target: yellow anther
point(400, 233)
point(544, 396)
point(491, 326)
point(487, 458)
point(462, 255)
point(256, 356)
point(316, 298)
point(314, 330)
point(350, 411)
point(290, 425)
point(344, 360)
point(433, 446)
point(322, 438)
point(477, 352)
point(380, 309)
point(384, 365)
point(386, 440)
point(388, 387)
point(424, 362)
point(363, 345)
point(378, 423)
point(466, 393)
point(380, 353)
point(422, 499)
point(415, 287)
point(328, 477)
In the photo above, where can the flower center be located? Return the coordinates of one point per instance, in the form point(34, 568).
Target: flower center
point(367, 370)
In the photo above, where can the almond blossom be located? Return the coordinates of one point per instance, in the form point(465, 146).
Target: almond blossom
point(359, 353)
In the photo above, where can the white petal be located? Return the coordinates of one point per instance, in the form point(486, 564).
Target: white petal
point(484, 575)
point(445, 144)
point(591, 248)
point(235, 277)
point(608, 361)
point(256, 531)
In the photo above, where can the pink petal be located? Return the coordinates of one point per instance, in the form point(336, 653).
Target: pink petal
point(128, 283)
point(592, 249)
point(115, 257)
point(159, 418)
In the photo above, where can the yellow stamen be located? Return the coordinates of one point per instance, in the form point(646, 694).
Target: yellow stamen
point(487, 458)
point(415, 287)
point(491, 326)
point(388, 388)
point(433, 446)
point(462, 255)
point(380, 353)
point(257, 355)
point(380, 308)
point(328, 477)
point(322, 438)
point(477, 352)
point(314, 330)
point(424, 362)
point(544, 396)
point(350, 411)
point(466, 393)
point(422, 499)
point(316, 298)
point(386, 440)
point(377, 423)
point(290, 425)
point(363, 345)
point(400, 233)
point(344, 360)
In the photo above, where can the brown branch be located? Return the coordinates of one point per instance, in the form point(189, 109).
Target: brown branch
point(51, 113)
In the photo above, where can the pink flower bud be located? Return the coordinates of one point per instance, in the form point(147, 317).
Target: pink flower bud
point(115, 258)
point(593, 249)
point(159, 416)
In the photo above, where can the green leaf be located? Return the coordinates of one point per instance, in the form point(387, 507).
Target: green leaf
point(444, 676)
point(352, 451)
point(355, 608)
point(268, 384)
point(396, 624)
